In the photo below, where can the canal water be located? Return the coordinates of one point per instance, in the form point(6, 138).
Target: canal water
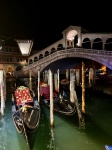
point(66, 134)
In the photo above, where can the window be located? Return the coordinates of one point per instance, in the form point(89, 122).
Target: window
point(9, 59)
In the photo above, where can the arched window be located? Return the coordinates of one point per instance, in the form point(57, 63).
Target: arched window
point(60, 47)
point(40, 56)
point(108, 44)
point(97, 44)
point(46, 53)
point(30, 61)
point(86, 43)
point(53, 50)
point(35, 59)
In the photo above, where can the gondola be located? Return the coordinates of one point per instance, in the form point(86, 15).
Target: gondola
point(61, 103)
point(26, 114)
point(108, 147)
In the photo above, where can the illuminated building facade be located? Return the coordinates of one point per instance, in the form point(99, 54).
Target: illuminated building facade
point(10, 58)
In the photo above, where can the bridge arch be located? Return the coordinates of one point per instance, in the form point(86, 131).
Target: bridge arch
point(35, 58)
point(108, 44)
point(77, 39)
point(30, 61)
point(100, 56)
point(60, 46)
point(41, 56)
point(53, 50)
point(86, 43)
point(76, 55)
point(46, 53)
point(89, 41)
point(97, 44)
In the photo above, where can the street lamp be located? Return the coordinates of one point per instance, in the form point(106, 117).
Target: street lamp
point(25, 46)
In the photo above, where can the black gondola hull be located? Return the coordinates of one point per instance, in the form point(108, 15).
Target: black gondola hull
point(26, 119)
point(64, 107)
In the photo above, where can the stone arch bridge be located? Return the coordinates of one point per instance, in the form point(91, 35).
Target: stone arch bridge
point(100, 56)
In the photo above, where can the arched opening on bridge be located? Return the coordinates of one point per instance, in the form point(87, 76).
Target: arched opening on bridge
point(60, 47)
point(53, 50)
point(30, 61)
point(108, 44)
point(86, 43)
point(72, 39)
point(76, 40)
point(46, 53)
point(35, 59)
point(40, 56)
point(97, 44)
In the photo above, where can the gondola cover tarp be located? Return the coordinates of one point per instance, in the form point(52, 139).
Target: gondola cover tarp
point(22, 95)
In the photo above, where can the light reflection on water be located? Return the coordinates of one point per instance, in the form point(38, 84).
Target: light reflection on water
point(4, 137)
point(66, 134)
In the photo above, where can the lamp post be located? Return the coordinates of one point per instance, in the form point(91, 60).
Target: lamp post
point(25, 47)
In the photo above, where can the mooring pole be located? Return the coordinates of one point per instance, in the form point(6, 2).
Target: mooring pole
point(67, 74)
point(51, 99)
point(2, 92)
point(38, 86)
point(30, 80)
point(2, 100)
point(72, 84)
point(56, 82)
point(83, 88)
point(58, 79)
point(4, 85)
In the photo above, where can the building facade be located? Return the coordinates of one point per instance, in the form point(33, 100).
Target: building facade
point(10, 59)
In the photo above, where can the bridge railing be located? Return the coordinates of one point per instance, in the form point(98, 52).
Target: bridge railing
point(66, 51)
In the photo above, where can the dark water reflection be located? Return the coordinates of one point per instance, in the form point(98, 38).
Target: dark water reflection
point(66, 134)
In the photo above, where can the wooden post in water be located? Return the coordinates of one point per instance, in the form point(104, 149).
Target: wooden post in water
point(2, 100)
point(56, 82)
point(91, 77)
point(51, 99)
point(30, 80)
point(58, 79)
point(83, 88)
point(77, 77)
point(46, 78)
point(2, 92)
point(38, 86)
point(77, 107)
point(67, 74)
point(72, 84)
point(73, 95)
point(4, 85)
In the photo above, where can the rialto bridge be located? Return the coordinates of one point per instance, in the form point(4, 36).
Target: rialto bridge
point(76, 42)
point(101, 56)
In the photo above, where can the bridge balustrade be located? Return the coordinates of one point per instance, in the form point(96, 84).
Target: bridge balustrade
point(104, 57)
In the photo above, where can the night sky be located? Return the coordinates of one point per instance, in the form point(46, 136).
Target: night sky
point(45, 21)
